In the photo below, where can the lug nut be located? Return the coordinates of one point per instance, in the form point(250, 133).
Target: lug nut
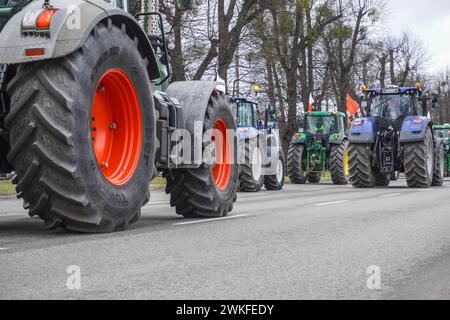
point(113, 126)
point(104, 164)
point(102, 89)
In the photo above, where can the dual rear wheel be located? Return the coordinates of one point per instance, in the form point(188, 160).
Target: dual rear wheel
point(83, 140)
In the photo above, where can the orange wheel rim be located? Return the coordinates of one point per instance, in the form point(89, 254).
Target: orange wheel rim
point(222, 169)
point(116, 127)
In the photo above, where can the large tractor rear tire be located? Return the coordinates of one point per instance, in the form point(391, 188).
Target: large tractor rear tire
point(296, 171)
point(208, 192)
point(360, 166)
point(419, 162)
point(439, 168)
point(251, 178)
point(276, 182)
point(78, 129)
point(339, 163)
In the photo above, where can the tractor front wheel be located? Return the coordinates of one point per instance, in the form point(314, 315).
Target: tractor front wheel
point(339, 163)
point(276, 182)
point(439, 168)
point(251, 178)
point(78, 128)
point(296, 171)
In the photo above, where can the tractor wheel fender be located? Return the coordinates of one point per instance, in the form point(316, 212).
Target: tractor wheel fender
point(194, 97)
point(70, 27)
point(363, 131)
point(414, 129)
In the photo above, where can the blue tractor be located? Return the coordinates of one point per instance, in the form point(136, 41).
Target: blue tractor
point(261, 155)
point(395, 137)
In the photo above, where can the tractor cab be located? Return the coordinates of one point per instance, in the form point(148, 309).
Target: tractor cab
point(393, 104)
point(324, 123)
point(443, 132)
point(322, 126)
point(246, 112)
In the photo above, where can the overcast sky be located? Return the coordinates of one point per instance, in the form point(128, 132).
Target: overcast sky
point(429, 19)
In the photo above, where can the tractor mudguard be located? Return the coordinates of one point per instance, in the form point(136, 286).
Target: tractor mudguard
point(414, 129)
point(337, 138)
point(194, 97)
point(299, 138)
point(69, 29)
point(363, 131)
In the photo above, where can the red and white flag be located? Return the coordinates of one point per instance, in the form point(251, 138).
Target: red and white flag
point(311, 103)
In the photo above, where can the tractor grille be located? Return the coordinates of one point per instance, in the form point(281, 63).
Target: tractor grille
point(394, 125)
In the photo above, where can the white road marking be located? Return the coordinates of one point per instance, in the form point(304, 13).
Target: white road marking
point(3, 249)
point(391, 195)
point(424, 190)
point(13, 215)
point(158, 202)
point(330, 203)
point(211, 220)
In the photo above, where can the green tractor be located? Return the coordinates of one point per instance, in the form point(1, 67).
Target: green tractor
point(321, 146)
point(443, 132)
point(88, 118)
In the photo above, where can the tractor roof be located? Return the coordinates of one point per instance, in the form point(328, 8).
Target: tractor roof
point(324, 114)
point(442, 126)
point(394, 90)
point(243, 100)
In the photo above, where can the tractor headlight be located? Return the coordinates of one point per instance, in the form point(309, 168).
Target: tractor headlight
point(447, 147)
point(30, 18)
point(38, 20)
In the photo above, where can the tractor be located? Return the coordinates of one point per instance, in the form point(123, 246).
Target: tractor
point(320, 146)
point(261, 154)
point(396, 136)
point(443, 132)
point(88, 118)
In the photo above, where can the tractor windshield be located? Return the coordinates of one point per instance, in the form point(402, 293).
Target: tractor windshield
point(321, 124)
point(392, 107)
point(245, 114)
point(443, 133)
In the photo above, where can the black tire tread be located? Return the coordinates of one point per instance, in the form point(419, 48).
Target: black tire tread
point(191, 191)
point(360, 166)
point(42, 148)
point(246, 181)
point(415, 162)
point(294, 164)
point(337, 155)
point(271, 182)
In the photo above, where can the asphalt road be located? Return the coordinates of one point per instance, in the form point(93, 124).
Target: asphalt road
point(306, 242)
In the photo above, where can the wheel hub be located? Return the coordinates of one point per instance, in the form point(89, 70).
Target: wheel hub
point(222, 168)
point(256, 164)
point(116, 127)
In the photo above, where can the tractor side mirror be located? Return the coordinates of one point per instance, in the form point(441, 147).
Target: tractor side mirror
point(365, 107)
point(185, 5)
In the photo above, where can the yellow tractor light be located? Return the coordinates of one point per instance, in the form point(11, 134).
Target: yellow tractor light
point(363, 88)
point(256, 88)
point(418, 86)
